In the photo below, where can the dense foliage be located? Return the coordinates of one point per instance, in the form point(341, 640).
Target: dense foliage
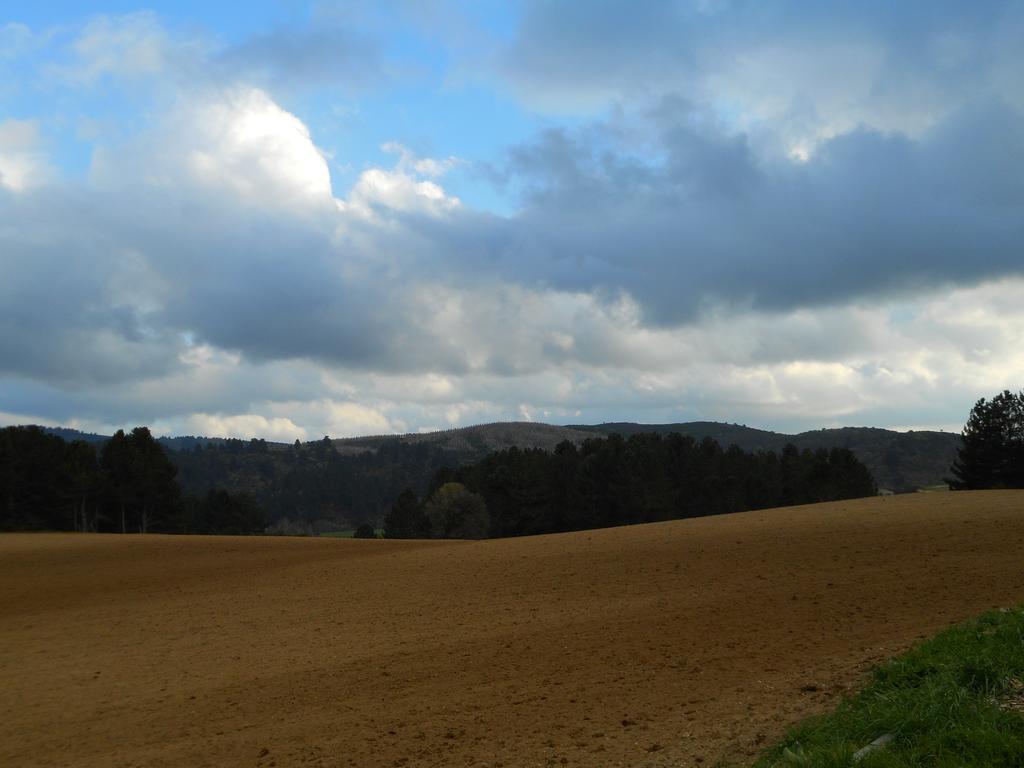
point(137, 482)
point(313, 487)
point(647, 478)
point(221, 512)
point(128, 485)
point(406, 519)
point(45, 482)
point(901, 462)
point(992, 453)
point(455, 512)
point(331, 485)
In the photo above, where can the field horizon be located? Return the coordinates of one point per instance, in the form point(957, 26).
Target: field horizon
point(675, 643)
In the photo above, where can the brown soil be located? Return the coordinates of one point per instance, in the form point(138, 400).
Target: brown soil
point(672, 644)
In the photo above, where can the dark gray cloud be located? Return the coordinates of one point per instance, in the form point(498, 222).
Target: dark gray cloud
point(707, 221)
point(577, 52)
point(68, 311)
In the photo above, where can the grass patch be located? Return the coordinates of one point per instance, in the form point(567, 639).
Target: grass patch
point(956, 700)
point(338, 534)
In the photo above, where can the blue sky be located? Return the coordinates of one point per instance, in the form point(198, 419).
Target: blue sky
point(349, 217)
point(406, 89)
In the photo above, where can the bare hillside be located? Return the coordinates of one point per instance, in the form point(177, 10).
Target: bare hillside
point(651, 645)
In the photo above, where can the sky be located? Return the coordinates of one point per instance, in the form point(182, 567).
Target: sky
point(346, 218)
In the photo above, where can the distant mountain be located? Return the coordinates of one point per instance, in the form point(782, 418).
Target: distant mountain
point(189, 442)
point(747, 438)
point(476, 441)
point(471, 443)
point(184, 443)
point(899, 461)
point(70, 435)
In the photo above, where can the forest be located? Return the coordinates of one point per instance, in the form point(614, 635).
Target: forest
point(126, 484)
point(314, 487)
point(331, 485)
point(616, 481)
point(132, 483)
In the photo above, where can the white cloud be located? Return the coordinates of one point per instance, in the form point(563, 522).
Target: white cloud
point(131, 46)
point(233, 142)
point(248, 144)
point(348, 419)
point(428, 166)
point(246, 425)
point(22, 161)
point(398, 191)
point(239, 142)
point(406, 188)
point(15, 419)
point(342, 419)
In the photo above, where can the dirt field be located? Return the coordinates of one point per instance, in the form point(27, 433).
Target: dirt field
point(669, 644)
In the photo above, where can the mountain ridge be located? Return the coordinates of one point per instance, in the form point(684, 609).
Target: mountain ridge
point(899, 461)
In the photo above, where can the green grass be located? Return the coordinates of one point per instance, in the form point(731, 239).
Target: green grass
point(948, 702)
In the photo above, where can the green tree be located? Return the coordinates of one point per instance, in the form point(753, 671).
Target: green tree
point(153, 476)
point(32, 480)
point(364, 531)
point(221, 512)
point(82, 478)
point(139, 481)
point(118, 479)
point(457, 513)
point(406, 518)
point(992, 453)
point(648, 477)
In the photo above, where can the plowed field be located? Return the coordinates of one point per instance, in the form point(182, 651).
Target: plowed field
point(670, 644)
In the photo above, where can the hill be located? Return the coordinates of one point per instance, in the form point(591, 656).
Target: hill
point(70, 435)
point(328, 484)
point(309, 490)
point(181, 443)
point(472, 443)
point(747, 438)
point(648, 645)
point(899, 461)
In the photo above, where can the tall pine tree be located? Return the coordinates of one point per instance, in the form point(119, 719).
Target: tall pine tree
point(992, 454)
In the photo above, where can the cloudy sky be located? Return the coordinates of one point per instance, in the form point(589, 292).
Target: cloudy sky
point(364, 217)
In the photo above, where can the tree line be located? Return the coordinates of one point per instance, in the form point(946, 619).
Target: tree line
point(616, 481)
point(128, 485)
point(313, 486)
